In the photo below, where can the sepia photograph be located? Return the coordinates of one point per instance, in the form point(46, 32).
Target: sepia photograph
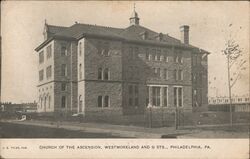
point(153, 75)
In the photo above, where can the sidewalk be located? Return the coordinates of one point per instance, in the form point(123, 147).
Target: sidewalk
point(116, 130)
point(142, 132)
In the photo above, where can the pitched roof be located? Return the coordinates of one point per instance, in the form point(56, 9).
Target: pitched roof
point(132, 33)
point(77, 30)
point(55, 29)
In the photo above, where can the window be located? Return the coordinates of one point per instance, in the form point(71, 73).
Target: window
point(194, 78)
point(106, 74)
point(147, 54)
point(80, 49)
point(165, 96)
point(80, 71)
point(149, 57)
point(158, 55)
point(178, 57)
point(45, 100)
point(133, 95)
point(165, 74)
point(106, 49)
point(99, 101)
point(154, 57)
point(106, 101)
point(41, 103)
point(63, 51)
point(156, 96)
point(135, 52)
point(200, 74)
point(49, 101)
point(166, 56)
point(136, 96)
point(194, 59)
point(178, 75)
point(63, 102)
point(48, 50)
point(178, 96)
point(130, 95)
point(41, 57)
point(100, 73)
point(48, 72)
point(131, 72)
point(199, 59)
point(63, 87)
point(40, 75)
point(64, 70)
point(99, 47)
point(162, 58)
point(157, 71)
point(175, 75)
point(147, 96)
point(103, 101)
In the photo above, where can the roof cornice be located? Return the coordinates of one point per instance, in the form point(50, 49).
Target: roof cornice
point(52, 38)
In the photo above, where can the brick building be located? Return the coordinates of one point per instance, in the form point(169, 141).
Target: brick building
point(92, 69)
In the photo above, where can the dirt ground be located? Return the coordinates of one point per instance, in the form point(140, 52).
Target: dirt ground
point(237, 131)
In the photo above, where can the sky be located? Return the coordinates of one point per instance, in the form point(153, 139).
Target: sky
point(211, 23)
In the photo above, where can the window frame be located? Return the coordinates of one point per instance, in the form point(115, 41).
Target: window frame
point(165, 96)
point(64, 51)
point(99, 101)
point(106, 74)
point(41, 57)
point(106, 102)
point(177, 102)
point(64, 70)
point(156, 96)
point(41, 75)
point(80, 48)
point(49, 51)
point(63, 87)
point(49, 72)
point(63, 101)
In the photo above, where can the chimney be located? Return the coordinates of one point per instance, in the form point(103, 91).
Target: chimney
point(184, 34)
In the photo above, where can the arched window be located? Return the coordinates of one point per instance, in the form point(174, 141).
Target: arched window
point(106, 101)
point(41, 102)
point(80, 71)
point(49, 102)
point(99, 73)
point(80, 49)
point(45, 100)
point(106, 74)
point(80, 103)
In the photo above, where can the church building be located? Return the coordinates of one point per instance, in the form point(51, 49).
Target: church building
point(97, 70)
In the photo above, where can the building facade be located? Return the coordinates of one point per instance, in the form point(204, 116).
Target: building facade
point(92, 69)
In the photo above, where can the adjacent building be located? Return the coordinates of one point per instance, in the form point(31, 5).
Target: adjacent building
point(91, 69)
point(238, 103)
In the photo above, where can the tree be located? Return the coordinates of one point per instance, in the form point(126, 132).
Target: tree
point(233, 53)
